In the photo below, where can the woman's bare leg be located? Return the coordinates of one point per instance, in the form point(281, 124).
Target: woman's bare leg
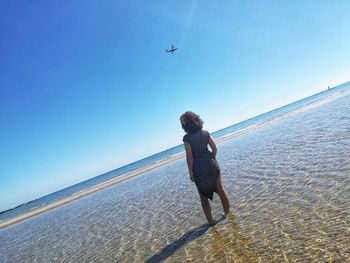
point(207, 209)
point(223, 195)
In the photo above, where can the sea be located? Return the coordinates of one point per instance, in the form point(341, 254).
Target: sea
point(71, 190)
point(288, 183)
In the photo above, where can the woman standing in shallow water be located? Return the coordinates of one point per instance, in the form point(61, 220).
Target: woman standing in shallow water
point(202, 165)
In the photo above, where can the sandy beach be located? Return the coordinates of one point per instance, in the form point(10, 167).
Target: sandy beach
point(142, 170)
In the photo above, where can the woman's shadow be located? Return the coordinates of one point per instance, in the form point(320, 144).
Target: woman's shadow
point(171, 248)
point(241, 243)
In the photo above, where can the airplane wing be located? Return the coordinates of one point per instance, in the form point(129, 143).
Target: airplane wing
point(172, 49)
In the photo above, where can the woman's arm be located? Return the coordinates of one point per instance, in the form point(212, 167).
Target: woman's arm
point(213, 147)
point(189, 159)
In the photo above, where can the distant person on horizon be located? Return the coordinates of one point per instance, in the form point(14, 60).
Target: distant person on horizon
point(203, 168)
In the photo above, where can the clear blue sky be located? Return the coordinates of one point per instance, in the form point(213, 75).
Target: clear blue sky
point(86, 86)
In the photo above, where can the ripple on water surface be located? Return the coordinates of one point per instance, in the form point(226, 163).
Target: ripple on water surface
point(288, 183)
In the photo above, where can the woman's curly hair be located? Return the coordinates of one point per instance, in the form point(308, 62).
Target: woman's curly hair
point(191, 122)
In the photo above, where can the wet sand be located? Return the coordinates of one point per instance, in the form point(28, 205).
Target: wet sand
point(142, 170)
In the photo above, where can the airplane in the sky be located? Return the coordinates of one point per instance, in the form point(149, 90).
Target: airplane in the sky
point(172, 50)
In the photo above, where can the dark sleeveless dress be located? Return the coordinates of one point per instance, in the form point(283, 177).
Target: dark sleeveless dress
point(205, 168)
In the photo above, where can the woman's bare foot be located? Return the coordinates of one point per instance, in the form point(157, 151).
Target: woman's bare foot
point(212, 222)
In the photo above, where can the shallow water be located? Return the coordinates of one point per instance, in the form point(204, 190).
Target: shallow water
point(288, 183)
point(168, 153)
